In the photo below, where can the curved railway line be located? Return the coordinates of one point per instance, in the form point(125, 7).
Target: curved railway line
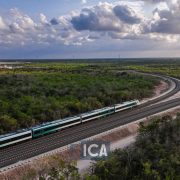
point(73, 134)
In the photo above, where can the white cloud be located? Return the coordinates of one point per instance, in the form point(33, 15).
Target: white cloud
point(118, 21)
point(165, 21)
point(2, 24)
point(83, 1)
point(23, 30)
point(43, 18)
point(111, 20)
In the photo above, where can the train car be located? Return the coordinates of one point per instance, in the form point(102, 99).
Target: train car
point(13, 138)
point(46, 128)
point(97, 114)
point(55, 126)
point(126, 105)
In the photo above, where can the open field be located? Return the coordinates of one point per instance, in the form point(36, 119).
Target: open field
point(166, 67)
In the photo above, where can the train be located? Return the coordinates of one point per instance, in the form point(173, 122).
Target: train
point(57, 125)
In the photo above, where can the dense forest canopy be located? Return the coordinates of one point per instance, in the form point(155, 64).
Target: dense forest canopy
point(155, 154)
point(36, 93)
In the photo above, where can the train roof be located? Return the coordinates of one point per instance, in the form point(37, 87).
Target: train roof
point(69, 118)
point(126, 102)
point(6, 135)
point(55, 122)
point(108, 107)
point(97, 111)
point(65, 119)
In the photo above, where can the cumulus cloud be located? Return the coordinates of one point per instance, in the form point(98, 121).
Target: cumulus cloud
point(43, 18)
point(23, 30)
point(106, 17)
point(168, 22)
point(83, 1)
point(54, 21)
point(126, 14)
point(154, 1)
point(2, 24)
point(21, 21)
point(111, 20)
point(97, 18)
point(165, 21)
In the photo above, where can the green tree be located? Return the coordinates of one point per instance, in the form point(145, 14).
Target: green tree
point(7, 123)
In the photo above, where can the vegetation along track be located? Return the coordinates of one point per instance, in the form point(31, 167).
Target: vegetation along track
point(50, 142)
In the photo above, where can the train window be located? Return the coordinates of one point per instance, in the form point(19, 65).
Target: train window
point(100, 113)
point(36, 131)
point(107, 112)
point(87, 117)
point(52, 127)
point(67, 123)
point(14, 139)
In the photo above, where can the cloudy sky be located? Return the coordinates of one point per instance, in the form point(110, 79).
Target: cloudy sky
point(89, 28)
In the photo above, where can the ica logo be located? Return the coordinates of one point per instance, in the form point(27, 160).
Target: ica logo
point(94, 149)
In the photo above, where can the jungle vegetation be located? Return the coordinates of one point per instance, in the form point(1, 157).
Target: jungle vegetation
point(155, 154)
point(40, 92)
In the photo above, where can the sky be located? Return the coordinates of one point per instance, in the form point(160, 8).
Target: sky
point(62, 29)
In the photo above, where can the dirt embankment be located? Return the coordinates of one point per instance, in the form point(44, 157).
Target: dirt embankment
point(161, 88)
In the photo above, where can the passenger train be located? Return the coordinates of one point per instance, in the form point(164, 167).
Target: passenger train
point(46, 128)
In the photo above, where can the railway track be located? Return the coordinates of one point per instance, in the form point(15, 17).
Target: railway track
point(44, 144)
